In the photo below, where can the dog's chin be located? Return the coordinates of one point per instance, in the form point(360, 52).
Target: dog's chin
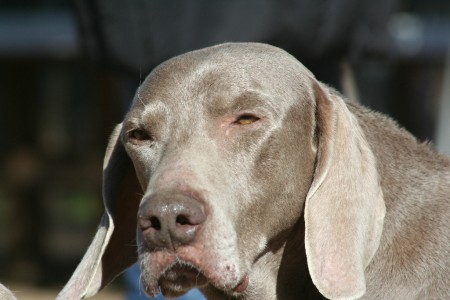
point(179, 279)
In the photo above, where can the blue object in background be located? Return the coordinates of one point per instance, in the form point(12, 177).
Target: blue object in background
point(135, 292)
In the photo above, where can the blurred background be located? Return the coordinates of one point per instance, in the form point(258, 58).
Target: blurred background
point(69, 69)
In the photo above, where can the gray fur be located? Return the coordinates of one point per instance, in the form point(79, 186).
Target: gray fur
point(314, 198)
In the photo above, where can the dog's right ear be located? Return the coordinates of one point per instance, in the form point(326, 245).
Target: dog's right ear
point(114, 246)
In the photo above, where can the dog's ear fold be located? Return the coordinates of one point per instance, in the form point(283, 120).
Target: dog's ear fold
point(344, 208)
point(114, 246)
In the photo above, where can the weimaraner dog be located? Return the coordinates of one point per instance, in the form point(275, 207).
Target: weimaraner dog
point(237, 172)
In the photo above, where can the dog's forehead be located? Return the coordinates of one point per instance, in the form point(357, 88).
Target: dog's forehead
point(222, 73)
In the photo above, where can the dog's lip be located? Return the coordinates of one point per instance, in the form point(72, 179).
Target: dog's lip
point(189, 276)
point(185, 273)
point(188, 267)
point(242, 285)
point(184, 277)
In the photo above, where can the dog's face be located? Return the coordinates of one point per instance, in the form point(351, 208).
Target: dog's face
point(231, 146)
point(225, 163)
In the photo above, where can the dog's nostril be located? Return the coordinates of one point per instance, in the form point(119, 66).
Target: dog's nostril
point(182, 220)
point(155, 223)
point(169, 220)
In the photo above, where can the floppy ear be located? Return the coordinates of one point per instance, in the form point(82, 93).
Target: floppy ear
point(114, 246)
point(344, 208)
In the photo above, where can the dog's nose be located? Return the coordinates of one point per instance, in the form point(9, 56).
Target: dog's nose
point(169, 220)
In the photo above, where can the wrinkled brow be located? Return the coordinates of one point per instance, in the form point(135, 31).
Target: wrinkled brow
point(151, 114)
point(246, 101)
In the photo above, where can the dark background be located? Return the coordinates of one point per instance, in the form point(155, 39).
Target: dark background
point(68, 70)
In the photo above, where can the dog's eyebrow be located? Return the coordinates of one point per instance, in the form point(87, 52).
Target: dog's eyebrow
point(152, 114)
point(246, 101)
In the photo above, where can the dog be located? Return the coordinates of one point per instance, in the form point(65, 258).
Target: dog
point(237, 172)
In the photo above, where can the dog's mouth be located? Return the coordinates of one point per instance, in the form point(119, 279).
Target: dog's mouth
point(177, 276)
point(179, 279)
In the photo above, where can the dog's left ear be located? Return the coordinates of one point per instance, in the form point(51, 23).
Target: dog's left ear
point(114, 246)
point(344, 209)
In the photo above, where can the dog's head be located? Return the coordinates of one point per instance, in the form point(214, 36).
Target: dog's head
point(222, 152)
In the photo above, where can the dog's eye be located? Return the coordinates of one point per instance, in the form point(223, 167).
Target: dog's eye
point(246, 119)
point(139, 135)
